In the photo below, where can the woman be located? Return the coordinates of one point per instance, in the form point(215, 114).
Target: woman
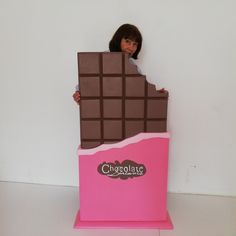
point(127, 39)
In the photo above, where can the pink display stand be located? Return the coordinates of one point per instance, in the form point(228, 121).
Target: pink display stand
point(124, 185)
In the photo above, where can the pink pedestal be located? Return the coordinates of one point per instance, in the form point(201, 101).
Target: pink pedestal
point(124, 185)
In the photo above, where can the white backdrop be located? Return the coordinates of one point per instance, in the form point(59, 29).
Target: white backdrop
point(189, 48)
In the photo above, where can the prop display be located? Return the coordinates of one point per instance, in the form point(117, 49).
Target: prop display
point(123, 157)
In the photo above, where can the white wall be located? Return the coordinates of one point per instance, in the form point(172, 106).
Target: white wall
point(189, 48)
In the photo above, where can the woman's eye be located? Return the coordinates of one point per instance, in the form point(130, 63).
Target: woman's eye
point(128, 41)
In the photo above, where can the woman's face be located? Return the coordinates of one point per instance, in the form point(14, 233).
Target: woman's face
point(128, 46)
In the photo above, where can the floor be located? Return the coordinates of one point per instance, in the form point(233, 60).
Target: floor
point(42, 210)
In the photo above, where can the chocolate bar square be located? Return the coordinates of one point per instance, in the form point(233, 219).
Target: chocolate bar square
point(88, 63)
point(89, 86)
point(156, 109)
point(134, 108)
point(135, 86)
point(90, 129)
point(156, 126)
point(90, 108)
point(112, 86)
point(112, 129)
point(112, 63)
point(133, 127)
point(112, 108)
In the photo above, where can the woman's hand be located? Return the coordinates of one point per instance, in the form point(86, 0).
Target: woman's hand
point(76, 97)
point(162, 90)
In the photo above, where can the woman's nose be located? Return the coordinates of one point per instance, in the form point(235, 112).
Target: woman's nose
point(131, 46)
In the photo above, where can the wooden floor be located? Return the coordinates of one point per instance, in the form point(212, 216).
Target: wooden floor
point(42, 210)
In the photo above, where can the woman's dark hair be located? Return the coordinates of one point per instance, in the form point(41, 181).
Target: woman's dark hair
point(126, 31)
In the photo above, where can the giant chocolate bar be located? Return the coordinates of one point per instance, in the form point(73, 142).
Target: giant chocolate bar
point(116, 100)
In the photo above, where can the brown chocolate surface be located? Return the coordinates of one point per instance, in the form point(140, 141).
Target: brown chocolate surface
point(116, 101)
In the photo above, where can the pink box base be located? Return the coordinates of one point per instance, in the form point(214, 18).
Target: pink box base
point(164, 225)
point(124, 185)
